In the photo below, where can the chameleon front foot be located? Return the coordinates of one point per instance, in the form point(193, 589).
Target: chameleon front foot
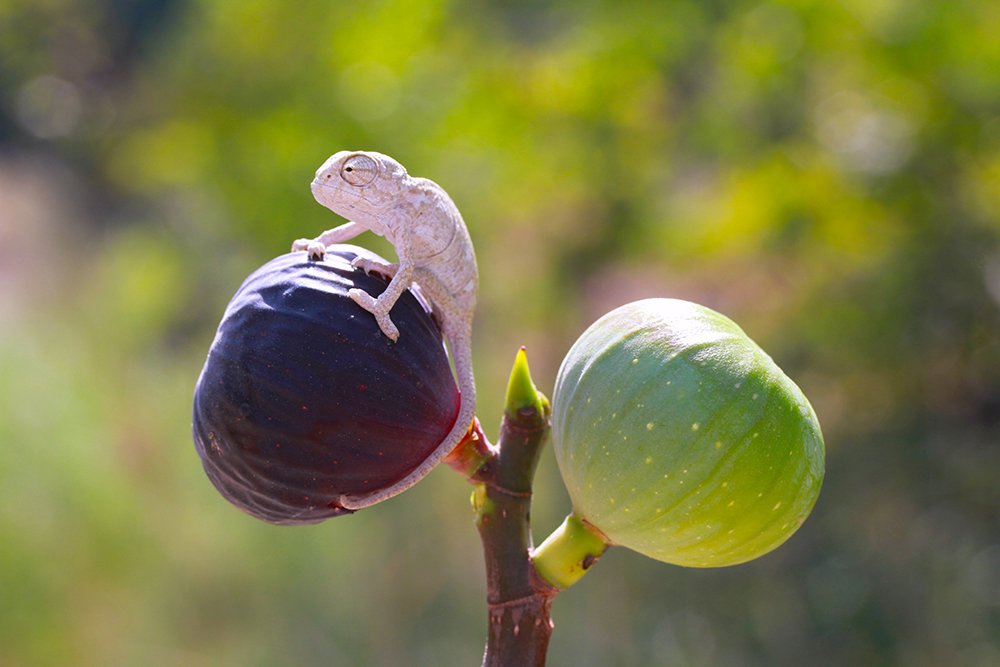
point(374, 266)
point(316, 249)
point(376, 308)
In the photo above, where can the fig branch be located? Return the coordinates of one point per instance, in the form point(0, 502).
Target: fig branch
point(519, 600)
point(675, 434)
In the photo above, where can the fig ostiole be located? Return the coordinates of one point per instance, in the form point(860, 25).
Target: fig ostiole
point(681, 439)
point(303, 402)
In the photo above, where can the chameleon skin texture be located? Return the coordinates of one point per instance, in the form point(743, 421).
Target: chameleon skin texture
point(679, 438)
point(302, 398)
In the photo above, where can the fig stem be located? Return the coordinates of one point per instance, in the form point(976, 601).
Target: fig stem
point(519, 601)
point(566, 555)
point(471, 453)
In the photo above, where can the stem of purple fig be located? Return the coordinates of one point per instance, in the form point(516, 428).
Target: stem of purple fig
point(471, 453)
point(519, 601)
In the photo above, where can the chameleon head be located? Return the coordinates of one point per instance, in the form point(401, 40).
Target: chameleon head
point(358, 184)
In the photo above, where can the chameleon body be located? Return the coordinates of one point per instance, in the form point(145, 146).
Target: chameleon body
point(374, 192)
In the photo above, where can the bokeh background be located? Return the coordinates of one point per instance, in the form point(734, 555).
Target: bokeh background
point(826, 173)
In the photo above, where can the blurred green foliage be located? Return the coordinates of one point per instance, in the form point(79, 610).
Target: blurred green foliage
point(826, 173)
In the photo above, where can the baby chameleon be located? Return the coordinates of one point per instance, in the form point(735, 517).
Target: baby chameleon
point(417, 216)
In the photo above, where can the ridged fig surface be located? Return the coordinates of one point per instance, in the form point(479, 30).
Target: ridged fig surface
point(679, 438)
point(303, 399)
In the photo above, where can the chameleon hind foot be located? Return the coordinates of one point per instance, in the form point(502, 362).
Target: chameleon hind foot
point(375, 307)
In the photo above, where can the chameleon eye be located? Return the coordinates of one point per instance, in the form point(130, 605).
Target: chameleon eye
point(359, 170)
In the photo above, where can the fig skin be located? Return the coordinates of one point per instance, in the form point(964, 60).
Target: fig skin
point(303, 400)
point(679, 438)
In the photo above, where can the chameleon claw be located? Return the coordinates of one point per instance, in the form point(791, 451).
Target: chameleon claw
point(316, 249)
point(363, 299)
point(370, 266)
point(388, 327)
point(374, 306)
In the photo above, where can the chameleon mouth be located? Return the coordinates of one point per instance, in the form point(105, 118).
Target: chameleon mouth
point(322, 187)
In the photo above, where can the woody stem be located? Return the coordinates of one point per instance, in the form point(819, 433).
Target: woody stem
point(519, 602)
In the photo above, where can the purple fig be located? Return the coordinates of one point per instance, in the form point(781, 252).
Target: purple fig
point(304, 403)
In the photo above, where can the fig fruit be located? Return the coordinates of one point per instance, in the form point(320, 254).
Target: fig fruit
point(678, 437)
point(303, 402)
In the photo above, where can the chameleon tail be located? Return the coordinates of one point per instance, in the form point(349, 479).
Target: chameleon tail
point(461, 350)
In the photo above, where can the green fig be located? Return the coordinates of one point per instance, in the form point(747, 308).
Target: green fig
point(679, 438)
